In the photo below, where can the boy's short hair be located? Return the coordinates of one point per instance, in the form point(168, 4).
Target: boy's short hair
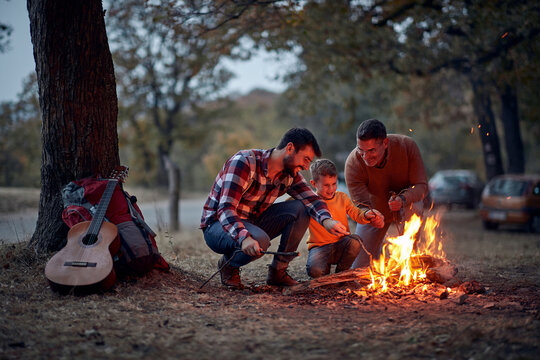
point(322, 167)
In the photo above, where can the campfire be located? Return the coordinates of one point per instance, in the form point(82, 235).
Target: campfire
point(412, 263)
point(406, 258)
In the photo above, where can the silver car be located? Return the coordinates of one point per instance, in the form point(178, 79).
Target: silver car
point(456, 187)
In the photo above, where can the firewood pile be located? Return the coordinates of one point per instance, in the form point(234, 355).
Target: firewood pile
point(440, 273)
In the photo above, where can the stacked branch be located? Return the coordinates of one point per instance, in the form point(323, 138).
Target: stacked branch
point(361, 275)
point(439, 271)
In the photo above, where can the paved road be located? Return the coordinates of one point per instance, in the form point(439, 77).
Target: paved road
point(20, 226)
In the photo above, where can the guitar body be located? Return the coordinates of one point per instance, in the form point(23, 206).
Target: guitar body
point(81, 265)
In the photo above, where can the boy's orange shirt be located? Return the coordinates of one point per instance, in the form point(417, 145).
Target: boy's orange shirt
point(339, 206)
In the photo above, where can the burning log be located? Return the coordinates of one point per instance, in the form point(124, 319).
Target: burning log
point(361, 275)
point(439, 270)
point(403, 263)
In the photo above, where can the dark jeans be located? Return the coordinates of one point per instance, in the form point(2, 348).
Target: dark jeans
point(341, 253)
point(288, 218)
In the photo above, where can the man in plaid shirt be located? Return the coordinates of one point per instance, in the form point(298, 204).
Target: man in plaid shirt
point(240, 218)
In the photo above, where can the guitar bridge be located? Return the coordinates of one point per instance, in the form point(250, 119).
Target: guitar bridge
point(80, 264)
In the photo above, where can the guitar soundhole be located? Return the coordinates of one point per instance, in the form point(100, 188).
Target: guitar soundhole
point(89, 239)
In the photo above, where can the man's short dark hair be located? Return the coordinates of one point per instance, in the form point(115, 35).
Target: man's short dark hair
point(322, 167)
point(300, 138)
point(371, 129)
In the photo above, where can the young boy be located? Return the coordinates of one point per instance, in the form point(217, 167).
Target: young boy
point(324, 248)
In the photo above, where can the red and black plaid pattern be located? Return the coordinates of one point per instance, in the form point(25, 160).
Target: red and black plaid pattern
point(242, 191)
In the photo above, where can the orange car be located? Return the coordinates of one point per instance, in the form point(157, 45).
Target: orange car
point(511, 199)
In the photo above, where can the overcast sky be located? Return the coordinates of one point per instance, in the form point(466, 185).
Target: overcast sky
point(18, 62)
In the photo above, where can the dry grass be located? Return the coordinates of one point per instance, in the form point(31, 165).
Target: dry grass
point(166, 316)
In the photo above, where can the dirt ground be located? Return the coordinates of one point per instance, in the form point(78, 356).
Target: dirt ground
point(166, 315)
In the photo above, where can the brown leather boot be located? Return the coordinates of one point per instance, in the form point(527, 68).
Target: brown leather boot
point(279, 277)
point(230, 275)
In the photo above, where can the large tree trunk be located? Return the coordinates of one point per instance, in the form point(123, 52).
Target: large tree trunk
point(77, 96)
point(487, 128)
point(512, 133)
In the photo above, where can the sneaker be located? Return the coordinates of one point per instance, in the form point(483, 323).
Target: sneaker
point(230, 275)
point(280, 277)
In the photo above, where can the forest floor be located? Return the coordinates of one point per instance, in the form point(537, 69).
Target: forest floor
point(167, 315)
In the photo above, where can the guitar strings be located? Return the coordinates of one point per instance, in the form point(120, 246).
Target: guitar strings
point(95, 226)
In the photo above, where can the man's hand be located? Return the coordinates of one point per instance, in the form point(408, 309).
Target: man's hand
point(334, 227)
point(395, 203)
point(375, 218)
point(251, 247)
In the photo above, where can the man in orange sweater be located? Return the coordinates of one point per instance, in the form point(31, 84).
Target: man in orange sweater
point(385, 172)
point(326, 249)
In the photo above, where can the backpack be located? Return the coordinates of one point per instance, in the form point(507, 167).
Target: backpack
point(138, 252)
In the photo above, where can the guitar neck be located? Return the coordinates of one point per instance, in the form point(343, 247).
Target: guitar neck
point(97, 220)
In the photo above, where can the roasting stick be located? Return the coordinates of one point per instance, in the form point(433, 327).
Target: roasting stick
point(291, 253)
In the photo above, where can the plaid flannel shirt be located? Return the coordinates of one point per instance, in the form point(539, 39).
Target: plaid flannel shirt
point(242, 191)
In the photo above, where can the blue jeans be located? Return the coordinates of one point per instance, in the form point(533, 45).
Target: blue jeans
point(341, 253)
point(373, 237)
point(288, 219)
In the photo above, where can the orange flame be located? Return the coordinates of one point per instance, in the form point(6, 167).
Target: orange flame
point(399, 264)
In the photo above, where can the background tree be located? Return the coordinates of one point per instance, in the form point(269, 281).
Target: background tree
point(77, 97)
point(165, 73)
point(419, 38)
point(20, 143)
point(479, 40)
point(252, 122)
point(5, 33)
point(352, 42)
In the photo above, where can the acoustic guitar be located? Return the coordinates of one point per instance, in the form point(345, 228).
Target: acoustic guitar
point(85, 264)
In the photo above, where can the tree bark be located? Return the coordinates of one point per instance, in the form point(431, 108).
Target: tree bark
point(77, 96)
point(487, 127)
point(173, 173)
point(512, 133)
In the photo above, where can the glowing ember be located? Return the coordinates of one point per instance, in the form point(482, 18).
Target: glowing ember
point(400, 264)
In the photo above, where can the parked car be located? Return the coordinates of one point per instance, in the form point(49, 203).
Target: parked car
point(456, 187)
point(512, 199)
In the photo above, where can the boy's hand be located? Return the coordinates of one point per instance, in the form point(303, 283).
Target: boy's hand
point(375, 218)
point(334, 227)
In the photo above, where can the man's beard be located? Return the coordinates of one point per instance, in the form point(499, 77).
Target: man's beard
point(288, 165)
